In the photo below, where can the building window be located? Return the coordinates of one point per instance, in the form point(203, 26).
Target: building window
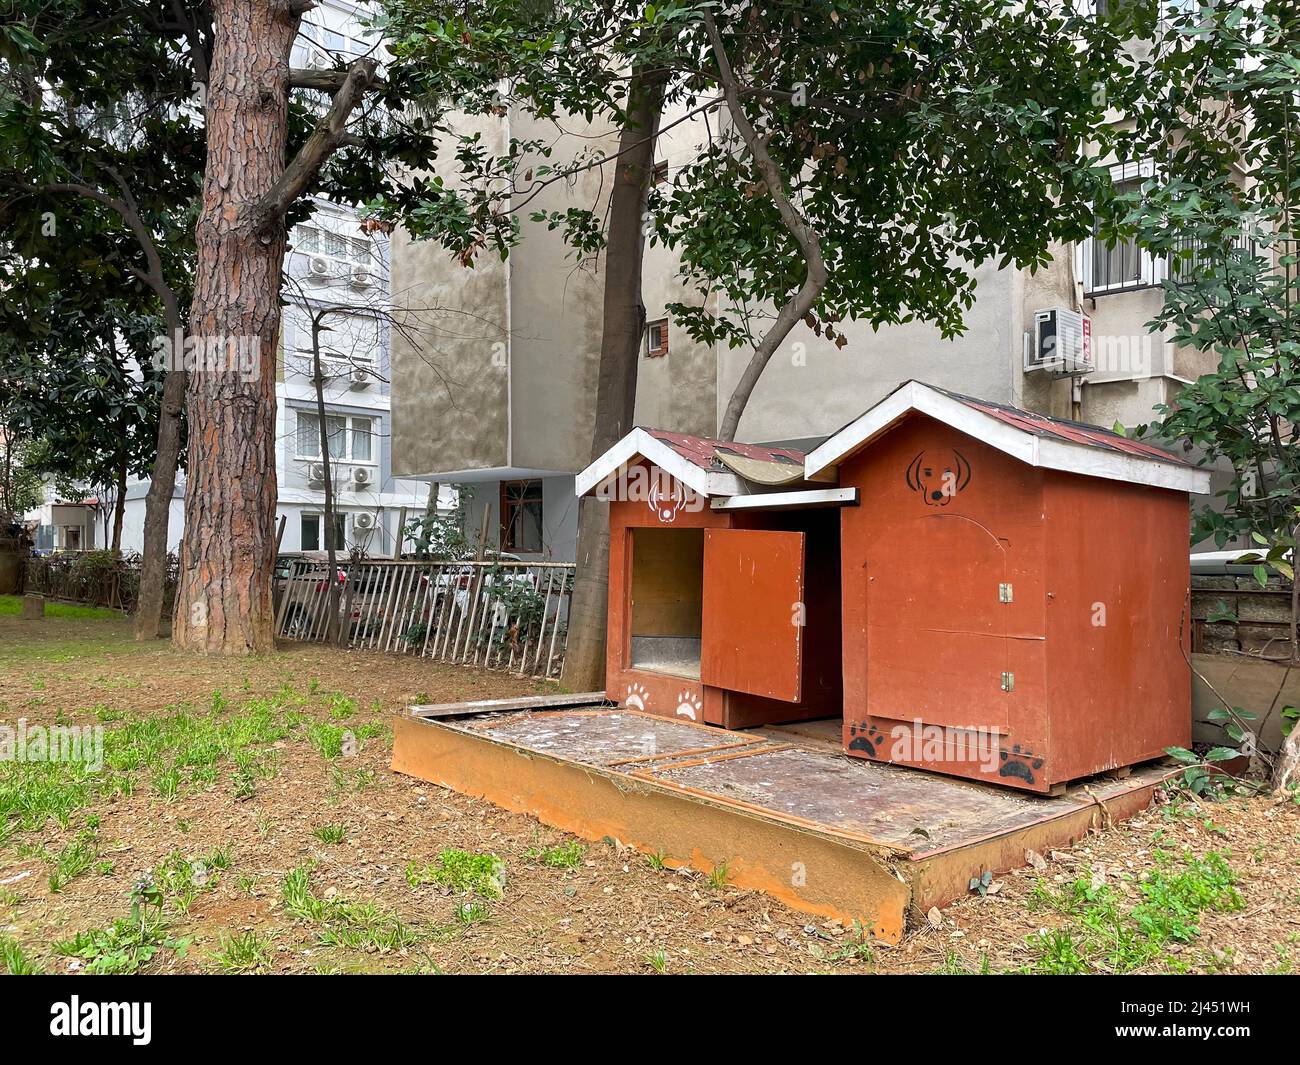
point(351, 437)
point(521, 516)
point(657, 339)
point(315, 240)
point(310, 527)
point(1124, 266)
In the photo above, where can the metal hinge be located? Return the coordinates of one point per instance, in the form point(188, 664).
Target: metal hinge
point(1004, 593)
point(1008, 682)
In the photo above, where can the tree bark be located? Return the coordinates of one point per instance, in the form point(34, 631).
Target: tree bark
point(620, 349)
point(228, 551)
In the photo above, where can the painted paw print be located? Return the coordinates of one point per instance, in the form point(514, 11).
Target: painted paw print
point(1019, 763)
point(637, 697)
point(865, 737)
point(689, 705)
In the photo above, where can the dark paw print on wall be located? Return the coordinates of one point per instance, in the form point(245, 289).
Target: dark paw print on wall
point(865, 737)
point(1018, 763)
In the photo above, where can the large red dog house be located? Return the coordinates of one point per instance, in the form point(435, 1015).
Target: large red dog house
point(977, 590)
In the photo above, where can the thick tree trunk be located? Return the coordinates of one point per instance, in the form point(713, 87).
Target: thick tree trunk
point(620, 348)
point(228, 552)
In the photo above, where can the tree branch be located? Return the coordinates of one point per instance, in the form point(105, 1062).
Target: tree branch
point(313, 78)
point(815, 275)
point(329, 134)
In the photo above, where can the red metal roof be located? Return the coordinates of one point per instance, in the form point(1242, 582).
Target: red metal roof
point(1061, 429)
point(699, 450)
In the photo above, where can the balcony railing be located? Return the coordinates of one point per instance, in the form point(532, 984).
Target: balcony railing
point(1126, 267)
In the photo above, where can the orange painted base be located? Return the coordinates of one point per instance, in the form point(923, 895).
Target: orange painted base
point(821, 868)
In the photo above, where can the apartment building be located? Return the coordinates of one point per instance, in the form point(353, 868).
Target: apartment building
point(336, 275)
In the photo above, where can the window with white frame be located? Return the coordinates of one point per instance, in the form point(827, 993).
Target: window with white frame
point(310, 526)
point(351, 437)
point(1123, 265)
point(313, 238)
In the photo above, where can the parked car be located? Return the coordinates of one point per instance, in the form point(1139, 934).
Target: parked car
point(302, 577)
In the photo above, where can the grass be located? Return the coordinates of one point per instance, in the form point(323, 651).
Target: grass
point(478, 874)
point(343, 923)
point(1102, 934)
point(74, 859)
point(247, 952)
point(183, 749)
point(12, 606)
point(564, 856)
point(331, 833)
point(14, 959)
point(182, 881)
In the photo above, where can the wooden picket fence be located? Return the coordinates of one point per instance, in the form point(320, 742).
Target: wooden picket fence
point(500, 615)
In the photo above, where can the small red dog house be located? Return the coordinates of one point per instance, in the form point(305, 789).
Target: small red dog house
point(1014, 591)
point(977, 590)
point(723, 580)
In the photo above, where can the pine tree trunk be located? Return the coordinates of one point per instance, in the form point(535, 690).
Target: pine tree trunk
point(620, 348)
point(228, 552)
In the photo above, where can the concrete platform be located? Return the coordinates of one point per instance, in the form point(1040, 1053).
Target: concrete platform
point(783, 811)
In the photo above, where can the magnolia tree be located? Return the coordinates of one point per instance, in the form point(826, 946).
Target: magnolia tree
point(1217, 115)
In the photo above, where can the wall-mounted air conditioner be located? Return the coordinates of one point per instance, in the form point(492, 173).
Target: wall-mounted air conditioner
point(359, 377)
point(364, 522)
point(316, 473)
point(318, 266)
point(362, 277)
point(1061, 342)
point(361, 477)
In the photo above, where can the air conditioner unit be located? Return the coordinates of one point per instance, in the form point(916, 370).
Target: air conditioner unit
point(362, 476)
point(363, 522)
point(318, 266)
point(1061, 342)
point(362, 277)
point(359, 377)
point(316, 473)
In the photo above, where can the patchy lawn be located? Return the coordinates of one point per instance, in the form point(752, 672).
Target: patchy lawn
point(245, 820)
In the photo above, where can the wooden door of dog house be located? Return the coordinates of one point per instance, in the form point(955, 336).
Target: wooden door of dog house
point(752, 634)
point(937, 648)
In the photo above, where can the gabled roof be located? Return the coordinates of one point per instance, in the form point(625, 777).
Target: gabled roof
point(1050, 443)
point(693, 460)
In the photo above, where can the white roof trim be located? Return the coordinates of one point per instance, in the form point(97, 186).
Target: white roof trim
point(640, 444)
point(809, 497)
point(1027, 447)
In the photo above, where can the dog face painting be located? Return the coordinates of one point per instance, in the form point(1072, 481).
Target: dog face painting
point(938, 475)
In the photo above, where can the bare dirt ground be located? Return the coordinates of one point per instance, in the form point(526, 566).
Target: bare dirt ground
point(277, 848)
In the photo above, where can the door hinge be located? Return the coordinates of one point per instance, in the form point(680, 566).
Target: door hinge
point(1008, 682)
point(1004, 593)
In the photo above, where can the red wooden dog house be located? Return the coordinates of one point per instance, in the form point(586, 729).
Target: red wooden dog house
point(724, 580)
point(977, 590)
